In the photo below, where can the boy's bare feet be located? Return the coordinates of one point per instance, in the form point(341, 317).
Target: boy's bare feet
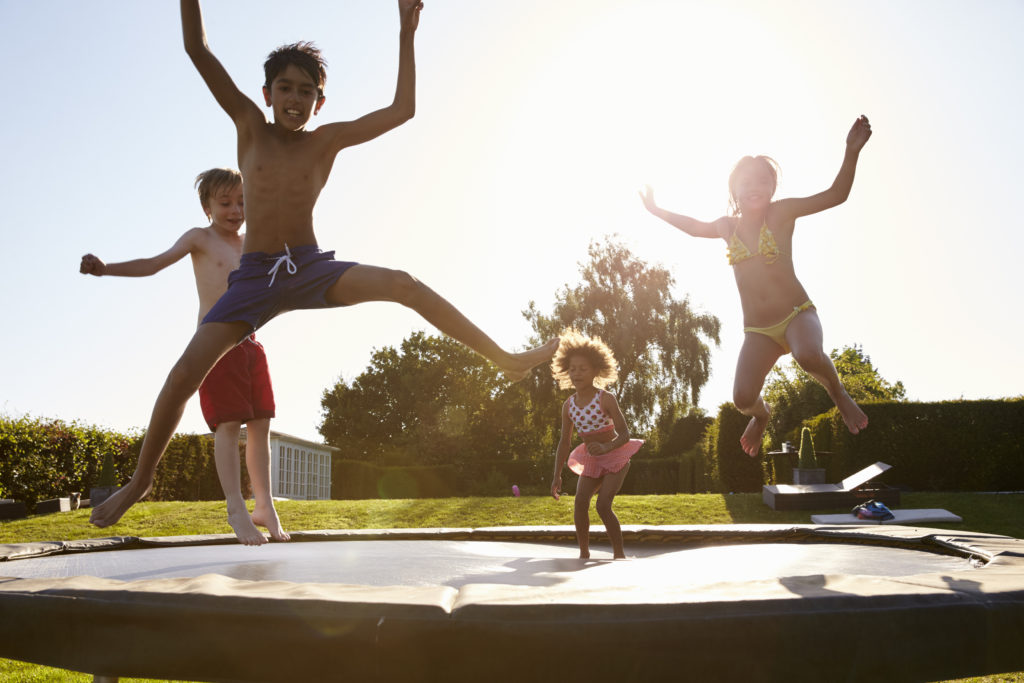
point(853, 416)
point(113, 508)
point(244, 529)
point(520, 364)
point(752, 435)
point(268, 518)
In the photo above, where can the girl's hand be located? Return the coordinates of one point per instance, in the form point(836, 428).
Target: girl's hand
point(647, 197)
point(859, 133)
point(556, 487)
point(409, 11)
point(596, 448)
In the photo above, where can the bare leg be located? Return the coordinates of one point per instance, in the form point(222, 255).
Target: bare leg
point(210, 342)
point(585, 489)
point(257, 461)
point(225, 453)
point(610, 485)
point(757, 357)
point(805, 338)
point(361, 283)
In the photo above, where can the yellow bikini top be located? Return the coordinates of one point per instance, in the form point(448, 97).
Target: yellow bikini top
point(766, 247)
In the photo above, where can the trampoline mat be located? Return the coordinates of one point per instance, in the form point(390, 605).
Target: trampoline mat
point(459, 563)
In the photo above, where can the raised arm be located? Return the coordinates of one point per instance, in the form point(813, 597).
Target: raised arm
point(224, 90)
point(403, 107)
point(93, 265)
point(840, 189)
point(691, 226)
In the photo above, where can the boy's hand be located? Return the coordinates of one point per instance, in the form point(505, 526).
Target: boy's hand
point(92, 265)
point(409, 10)
point(556, 487)
point(859, 133)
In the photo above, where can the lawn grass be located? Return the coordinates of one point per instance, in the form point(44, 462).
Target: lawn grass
point(990, 513)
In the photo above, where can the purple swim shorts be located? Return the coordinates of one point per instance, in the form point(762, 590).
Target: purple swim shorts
point(266, 285)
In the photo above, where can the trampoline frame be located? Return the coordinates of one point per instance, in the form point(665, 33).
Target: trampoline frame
point(810, 628)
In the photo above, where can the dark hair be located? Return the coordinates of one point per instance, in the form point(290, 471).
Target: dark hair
point(304, 55)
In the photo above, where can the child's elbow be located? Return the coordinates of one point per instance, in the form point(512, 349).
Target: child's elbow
point(406, 112)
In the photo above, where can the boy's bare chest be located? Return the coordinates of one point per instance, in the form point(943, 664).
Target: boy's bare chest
point(290, 169)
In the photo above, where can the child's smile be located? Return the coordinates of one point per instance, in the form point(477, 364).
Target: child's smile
point(294, 98)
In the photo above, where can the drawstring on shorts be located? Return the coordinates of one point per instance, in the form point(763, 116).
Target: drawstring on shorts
point(288, 263)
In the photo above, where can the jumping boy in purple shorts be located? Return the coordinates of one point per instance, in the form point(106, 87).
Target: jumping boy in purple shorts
point(285, 167)
point(238, 389)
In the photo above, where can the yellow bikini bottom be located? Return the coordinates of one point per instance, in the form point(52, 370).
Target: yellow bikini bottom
point(777, 332)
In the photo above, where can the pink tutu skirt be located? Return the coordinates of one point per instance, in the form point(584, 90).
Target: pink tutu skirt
point(596, 466)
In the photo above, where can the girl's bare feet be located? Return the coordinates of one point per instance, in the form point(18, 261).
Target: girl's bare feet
point(752, 435)
point(113, 508)
point(853, 416)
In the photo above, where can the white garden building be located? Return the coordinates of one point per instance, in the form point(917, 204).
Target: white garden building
point(299, 469)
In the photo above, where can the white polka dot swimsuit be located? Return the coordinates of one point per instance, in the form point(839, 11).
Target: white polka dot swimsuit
point(590, 417)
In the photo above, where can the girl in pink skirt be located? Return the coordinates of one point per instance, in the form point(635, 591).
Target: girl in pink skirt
point(602, 460)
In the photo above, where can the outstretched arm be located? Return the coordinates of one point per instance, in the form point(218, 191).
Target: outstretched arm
point(562, 452)
point(93, 265)
point(691, 226)
point(224, 90)
point(349, 133)
point(840, 190)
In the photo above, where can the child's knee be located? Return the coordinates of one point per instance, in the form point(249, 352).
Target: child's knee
point(184, 377)
point(811, 359)
point(745, 398)
point(405, 288)
point(187, 374)
point(604, 507)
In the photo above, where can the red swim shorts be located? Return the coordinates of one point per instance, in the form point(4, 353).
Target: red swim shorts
point(238, 387)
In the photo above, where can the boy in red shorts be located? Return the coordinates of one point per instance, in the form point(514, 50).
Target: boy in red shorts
point(285, 168)
point(237, 390)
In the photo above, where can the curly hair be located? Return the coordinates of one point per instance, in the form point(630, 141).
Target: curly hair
point(744, 163)
point(575, 343)
point(304, 55)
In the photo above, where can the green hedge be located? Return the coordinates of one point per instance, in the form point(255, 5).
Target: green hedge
point(43, 458)
point(736, 471)
point(359, 480)
point(947, 446)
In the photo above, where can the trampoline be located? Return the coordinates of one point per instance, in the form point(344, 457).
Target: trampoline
point(751, 603)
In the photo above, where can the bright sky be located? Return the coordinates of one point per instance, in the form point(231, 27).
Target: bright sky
point(536, 123)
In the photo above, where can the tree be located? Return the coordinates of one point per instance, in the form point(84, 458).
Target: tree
point(660, 343)
point(430, 401)
point(795, 396)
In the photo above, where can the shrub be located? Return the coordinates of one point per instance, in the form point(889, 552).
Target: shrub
point(807, 460)
point(738, 472)
point(944, 446)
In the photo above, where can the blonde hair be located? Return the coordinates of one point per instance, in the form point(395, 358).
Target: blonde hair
point(209, 183)
point(575, 343)
point(746, 162)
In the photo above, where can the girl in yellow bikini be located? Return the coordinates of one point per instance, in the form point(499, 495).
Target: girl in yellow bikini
point(778, 316)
